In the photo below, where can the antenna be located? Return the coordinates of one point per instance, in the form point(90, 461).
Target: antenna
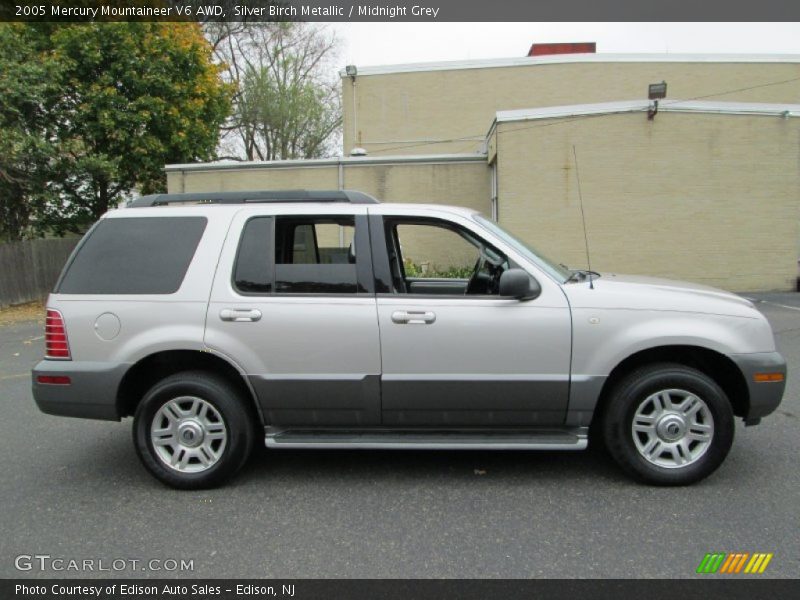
point(583, 216)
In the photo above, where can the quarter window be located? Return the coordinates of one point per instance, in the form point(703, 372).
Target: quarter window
point(134, 255)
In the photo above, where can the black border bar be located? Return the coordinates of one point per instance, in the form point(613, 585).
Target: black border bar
point(401, 10)
point(706, 587)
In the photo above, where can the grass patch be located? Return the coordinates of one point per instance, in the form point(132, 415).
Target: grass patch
point(32, 311)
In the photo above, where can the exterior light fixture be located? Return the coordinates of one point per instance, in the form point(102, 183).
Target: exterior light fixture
point(351, 70)
point(655, 92)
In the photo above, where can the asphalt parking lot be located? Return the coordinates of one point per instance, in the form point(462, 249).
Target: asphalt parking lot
point(74, 489)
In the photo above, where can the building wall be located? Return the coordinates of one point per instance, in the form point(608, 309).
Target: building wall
point(460, 183)
point(216, 179)
point(708, 198)
point(713, 199)
point(399, 113)
point(464, 183)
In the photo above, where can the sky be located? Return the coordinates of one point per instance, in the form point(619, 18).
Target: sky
point(367, 44)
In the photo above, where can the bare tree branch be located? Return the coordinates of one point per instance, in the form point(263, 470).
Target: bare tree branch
point(286, 103)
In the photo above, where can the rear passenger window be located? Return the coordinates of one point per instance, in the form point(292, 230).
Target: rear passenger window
point(315, 255)
point(134, 255)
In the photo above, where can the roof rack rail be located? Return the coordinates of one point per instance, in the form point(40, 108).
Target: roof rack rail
point(348, 196)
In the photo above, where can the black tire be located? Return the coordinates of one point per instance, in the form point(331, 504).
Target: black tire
point(633, 391)
point(236, 415)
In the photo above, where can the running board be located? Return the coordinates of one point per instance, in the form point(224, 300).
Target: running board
point(572, 439)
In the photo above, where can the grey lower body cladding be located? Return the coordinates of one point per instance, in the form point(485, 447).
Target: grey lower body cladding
point(764, 396)
point(91, 393)
point(404, 401)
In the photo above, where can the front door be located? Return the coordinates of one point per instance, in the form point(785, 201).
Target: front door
point(454, 353)
point(293, 305)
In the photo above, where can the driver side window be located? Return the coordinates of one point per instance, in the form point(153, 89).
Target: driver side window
point(437, 257)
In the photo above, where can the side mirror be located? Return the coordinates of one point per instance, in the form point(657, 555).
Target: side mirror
point(516, 283)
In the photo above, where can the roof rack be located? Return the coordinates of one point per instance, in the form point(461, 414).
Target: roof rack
point(348, 196)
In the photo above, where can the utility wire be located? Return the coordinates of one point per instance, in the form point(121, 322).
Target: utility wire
point(472, 138)
point(744, 89)
point(560, 120)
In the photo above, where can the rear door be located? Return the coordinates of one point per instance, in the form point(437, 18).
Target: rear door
point(455, 354)
point(293, 305)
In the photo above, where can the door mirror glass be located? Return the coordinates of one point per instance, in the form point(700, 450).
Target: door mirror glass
point(516, 283)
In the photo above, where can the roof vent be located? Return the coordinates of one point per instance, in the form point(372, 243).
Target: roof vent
point(563, 48)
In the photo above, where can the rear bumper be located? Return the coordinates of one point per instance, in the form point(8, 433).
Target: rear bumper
point(764, 396)
point(91, 393)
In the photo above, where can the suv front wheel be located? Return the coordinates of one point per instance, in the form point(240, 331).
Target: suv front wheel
point(192, 430)
point(668, 424)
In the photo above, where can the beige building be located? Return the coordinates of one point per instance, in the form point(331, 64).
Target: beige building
point(708, 190)
point(462, 179)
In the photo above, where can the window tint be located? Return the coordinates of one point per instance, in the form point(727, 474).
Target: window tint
point(315, 255)
point(252, 274)
point(136, 255)
point(431, 251)
point(432, 257)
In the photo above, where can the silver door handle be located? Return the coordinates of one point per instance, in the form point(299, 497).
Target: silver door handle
point(413, 317)
point(240, 315)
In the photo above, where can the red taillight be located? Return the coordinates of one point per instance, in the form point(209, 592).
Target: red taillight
point(54, 379)
point(55, 336)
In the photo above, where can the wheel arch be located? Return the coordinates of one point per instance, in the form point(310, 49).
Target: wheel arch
point(715, 365)
point(143, 374)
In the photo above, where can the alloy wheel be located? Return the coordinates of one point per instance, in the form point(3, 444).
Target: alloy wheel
point(188, 434)
point(672, 428)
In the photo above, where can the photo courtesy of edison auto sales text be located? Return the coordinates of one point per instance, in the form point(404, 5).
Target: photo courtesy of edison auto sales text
point(165, 590)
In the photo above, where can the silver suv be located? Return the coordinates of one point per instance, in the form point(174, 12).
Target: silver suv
point(330, 320)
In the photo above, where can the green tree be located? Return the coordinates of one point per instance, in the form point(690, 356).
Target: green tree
point(134, 96)
point(105, 106)
point(26, 145)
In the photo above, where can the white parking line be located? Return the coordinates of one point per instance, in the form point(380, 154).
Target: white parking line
point(757, 301)
point(14, 376)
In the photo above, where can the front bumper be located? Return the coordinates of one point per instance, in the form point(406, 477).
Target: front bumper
point(91, 393)
point(765, 396)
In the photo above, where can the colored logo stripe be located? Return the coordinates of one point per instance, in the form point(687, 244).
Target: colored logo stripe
point(758, 563)
point(734, 563)
point(721, 562)
point(711, 563)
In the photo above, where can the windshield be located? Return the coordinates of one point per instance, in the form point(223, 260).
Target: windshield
point(553, 269)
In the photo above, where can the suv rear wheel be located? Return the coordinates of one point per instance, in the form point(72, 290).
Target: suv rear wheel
point(668, 424)
point(193, 430)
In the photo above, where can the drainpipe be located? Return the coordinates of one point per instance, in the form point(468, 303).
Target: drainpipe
point(355, 115)
point(352, 71)
point(341, 187)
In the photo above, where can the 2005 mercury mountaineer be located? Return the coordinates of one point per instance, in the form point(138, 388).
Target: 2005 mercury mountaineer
point(330, 320)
